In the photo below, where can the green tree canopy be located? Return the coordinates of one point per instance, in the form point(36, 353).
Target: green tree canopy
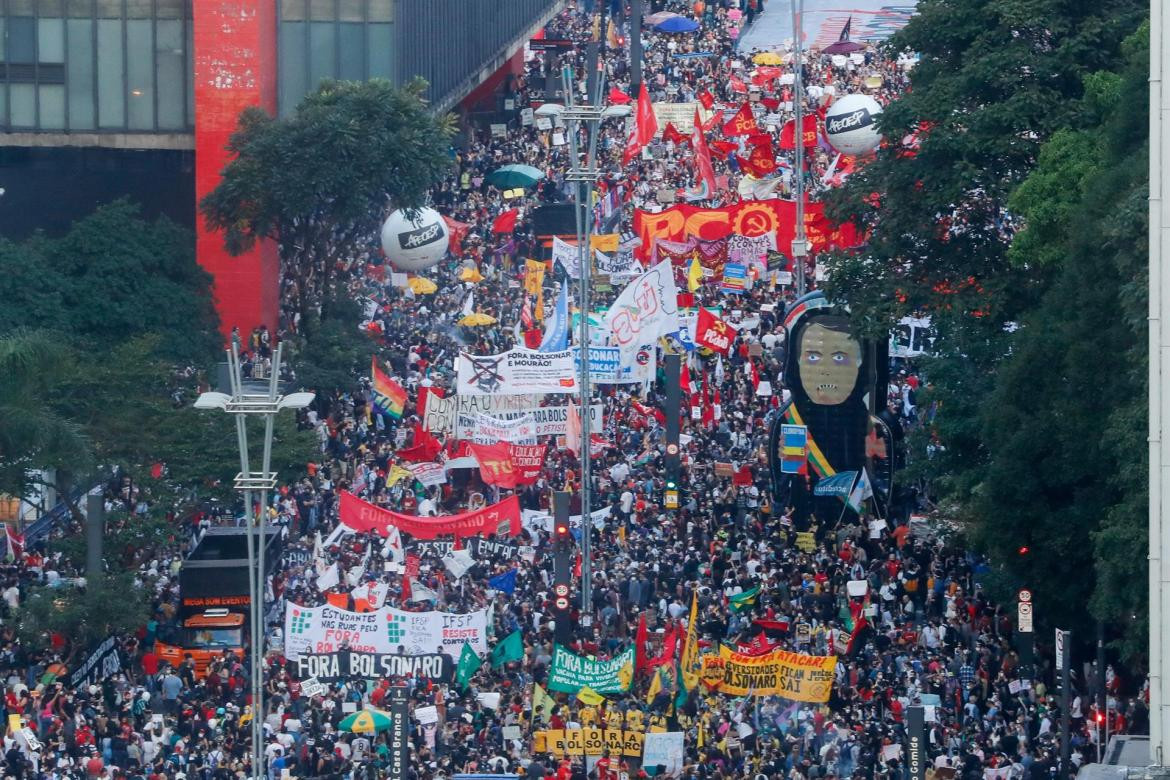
point(319, 181)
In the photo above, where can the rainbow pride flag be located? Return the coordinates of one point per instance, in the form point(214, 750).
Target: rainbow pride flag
point(389, 396)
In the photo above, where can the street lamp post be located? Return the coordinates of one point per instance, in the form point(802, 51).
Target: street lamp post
point(799, 242)
point(583, 180)
point(241, 405)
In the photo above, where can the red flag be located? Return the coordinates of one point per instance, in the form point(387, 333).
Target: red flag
point(640, 638)
point(506, 222)
point(762, 160)
point(712, 332)
point(669, 643)
point(456, 230)
point(743, 477)
point(702, 156)
point(743, 123)
point(810, 132)
point(722, 148)
point(672, 134)
point(645, 127)
point(495, 464)
point(617, 97)
point(706, 99)
point(737, 84)
point(755, 374)
point(425, 447)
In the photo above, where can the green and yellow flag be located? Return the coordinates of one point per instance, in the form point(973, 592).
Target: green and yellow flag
point(690, 663)
point(746, 600)
point(543, 705)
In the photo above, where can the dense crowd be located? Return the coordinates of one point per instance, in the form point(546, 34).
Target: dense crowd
point(932, 635)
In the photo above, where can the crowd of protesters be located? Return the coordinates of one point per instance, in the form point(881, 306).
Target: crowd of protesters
point(934, 637)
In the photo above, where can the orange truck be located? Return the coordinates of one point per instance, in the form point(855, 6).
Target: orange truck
point(214, 603)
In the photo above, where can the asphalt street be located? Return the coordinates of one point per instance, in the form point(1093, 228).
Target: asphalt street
point(823, 21)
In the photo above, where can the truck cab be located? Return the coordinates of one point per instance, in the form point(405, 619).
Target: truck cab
point(214, 602)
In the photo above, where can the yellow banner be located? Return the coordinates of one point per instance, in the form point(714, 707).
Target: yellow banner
point(604, 242)
point(589, 742)
point(807, 678)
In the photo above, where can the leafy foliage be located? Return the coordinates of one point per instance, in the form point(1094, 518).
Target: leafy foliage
point(319, 181)
point(83, 616)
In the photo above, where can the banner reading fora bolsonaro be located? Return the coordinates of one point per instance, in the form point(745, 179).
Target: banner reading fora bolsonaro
point(807, 678)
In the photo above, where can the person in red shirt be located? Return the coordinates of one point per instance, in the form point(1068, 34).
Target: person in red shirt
point(604, 767)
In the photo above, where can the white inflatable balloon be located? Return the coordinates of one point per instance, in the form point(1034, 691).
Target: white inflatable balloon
point(415, 244)
point(851, 124)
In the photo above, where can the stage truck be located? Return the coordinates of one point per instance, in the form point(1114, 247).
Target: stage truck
point(214, 604)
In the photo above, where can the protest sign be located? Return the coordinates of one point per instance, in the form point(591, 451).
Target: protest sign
point(429, 474)
point(326, 629)
point(807, 678)
point(589, 742)
point(617, 366)
point(646, 309)
point(516, 372)
point(484, 429)
point(442, 413)
point(664, 749)
point(569, 672)
point(343, 664)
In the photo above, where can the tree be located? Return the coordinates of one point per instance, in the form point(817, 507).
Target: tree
point(32, 435)
point(319, 182)
point(107, 605)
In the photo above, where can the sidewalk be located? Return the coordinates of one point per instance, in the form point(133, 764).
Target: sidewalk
point(872, 20)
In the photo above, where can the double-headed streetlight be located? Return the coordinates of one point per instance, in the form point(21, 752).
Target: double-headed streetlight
point(584, 179)
point(242, 405)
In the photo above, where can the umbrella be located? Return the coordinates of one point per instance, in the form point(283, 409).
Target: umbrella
point(768, 58)
point(470, 275)
point(677, 24)
point(510, 176)
point(476, 320)
point(366, 722)
point(420, 285)
point(659, 17)
point(842, 47)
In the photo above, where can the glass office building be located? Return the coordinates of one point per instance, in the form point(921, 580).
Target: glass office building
point(126, 66)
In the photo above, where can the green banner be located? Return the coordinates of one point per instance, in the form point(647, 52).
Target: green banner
point(570, 672)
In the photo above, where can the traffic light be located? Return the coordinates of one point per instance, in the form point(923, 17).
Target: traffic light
point(562, 538)
point(1024, 549)
point(670, 495)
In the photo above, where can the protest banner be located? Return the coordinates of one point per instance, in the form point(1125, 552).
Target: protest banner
point(569, 672)
point(664, 749)
point(435, 548)
point(387, 631)
point(589, 742)
point(681, 115)
point(442, 413)
point(616, 366)
point(798, 677)
point(548, 420)
point(516, 372)
point(527, 460)
point(749, 218)
point(495, 464)
point(534, 520)
point(484, 429)
point(343, 664)
point(616, 264)
point(363, 516)
point(713, 332)
point(102, 662)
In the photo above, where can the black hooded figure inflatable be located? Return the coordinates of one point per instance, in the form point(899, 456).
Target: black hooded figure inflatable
point(832, 377)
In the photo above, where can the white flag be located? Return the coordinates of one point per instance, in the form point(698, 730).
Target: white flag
point(392, 547)
point(341, 530)
point(646, 309)
point(469, 303)
point(354, 576)
point(421, 592)
point(861, 491)
point(331, 578)
point(566, 254)
point(318, 548)
point(458, 562)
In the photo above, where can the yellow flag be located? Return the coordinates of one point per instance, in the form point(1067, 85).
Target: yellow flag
point(655, 686)
point(694, 275)
point(626, 676)
point(690, 664)
point(589, 697)
point(543, 705)
point(396, 473)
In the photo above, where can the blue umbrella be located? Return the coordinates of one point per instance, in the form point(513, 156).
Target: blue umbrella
point(677, 24)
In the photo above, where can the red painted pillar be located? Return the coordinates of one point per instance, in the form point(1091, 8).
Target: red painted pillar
point(235, 67)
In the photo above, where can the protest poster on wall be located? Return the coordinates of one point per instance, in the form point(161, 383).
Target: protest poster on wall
point(795, 676)
point(570, 672)
point(327, 629)
point(516, 372)
point(343, 664)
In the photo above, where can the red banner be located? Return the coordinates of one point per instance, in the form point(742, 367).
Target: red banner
point(749, 218)
point(713, 333)
point(527, 460)
point(363, 516)
point(495, 463)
